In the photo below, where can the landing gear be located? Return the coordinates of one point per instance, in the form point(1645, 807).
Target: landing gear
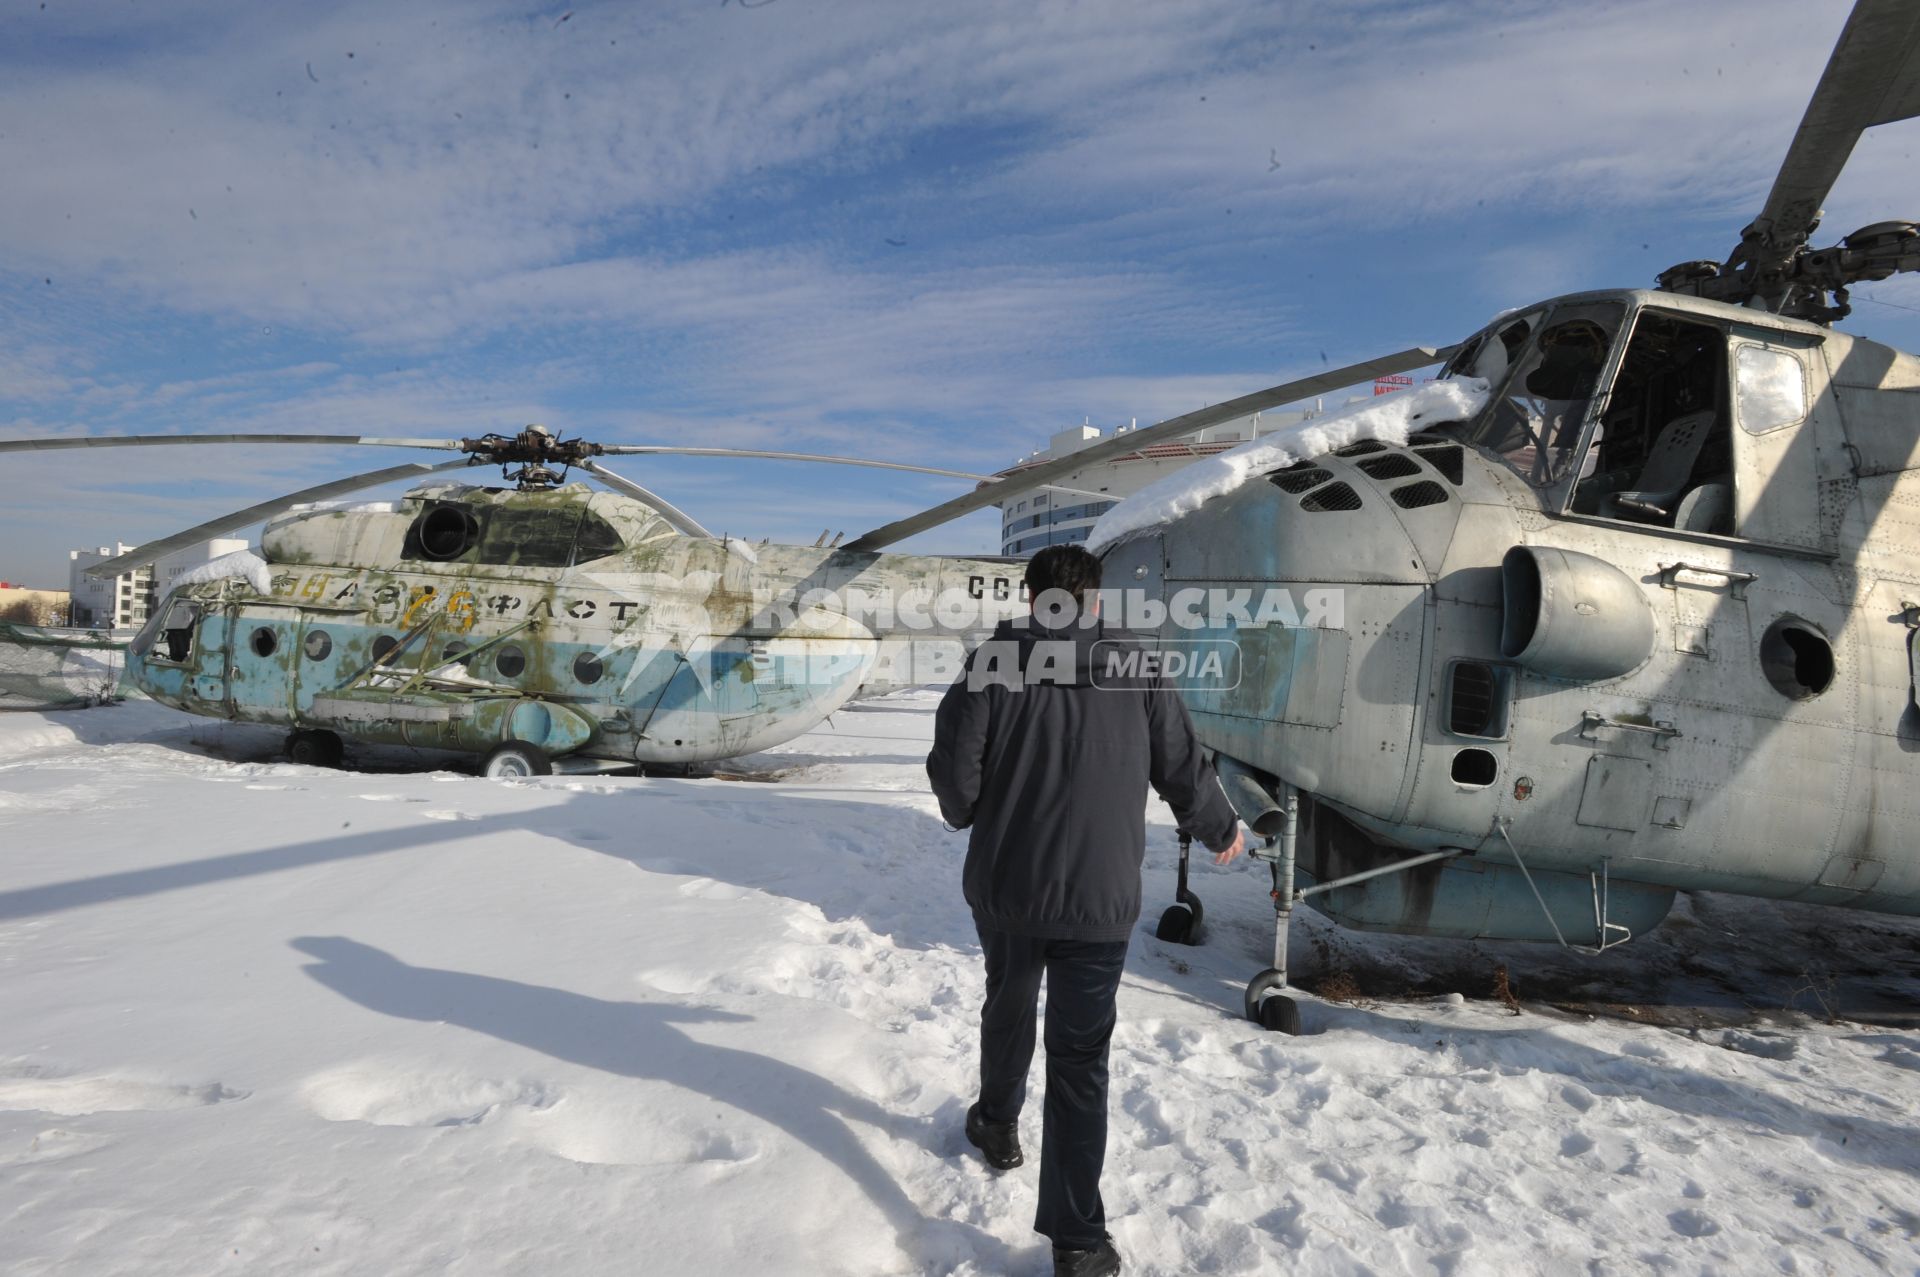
point(1180, 924)
point(1268, 1004)
point(1269, 1007)
point(309, 747)
point(516, 760)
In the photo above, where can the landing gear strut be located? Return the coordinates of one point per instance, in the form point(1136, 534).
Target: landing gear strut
point(1267, 1003)
point(1180, 924)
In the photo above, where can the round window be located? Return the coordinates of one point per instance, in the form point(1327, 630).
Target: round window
point(510, 661)
point(1796, 658)
point(452, 651)
point(264, 642)
point(587, 668)
point(383, 645)
point(318, 645)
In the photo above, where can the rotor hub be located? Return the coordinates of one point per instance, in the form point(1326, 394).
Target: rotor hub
point(543, 459)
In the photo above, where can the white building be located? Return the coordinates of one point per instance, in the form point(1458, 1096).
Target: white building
point(126, 601)
point(1057, 518)
point(1054, 518)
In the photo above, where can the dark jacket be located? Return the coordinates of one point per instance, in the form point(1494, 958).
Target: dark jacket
point(1050, 772)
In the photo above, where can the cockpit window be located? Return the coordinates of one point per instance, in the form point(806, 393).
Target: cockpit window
point(1544, 369)
point(169, 635)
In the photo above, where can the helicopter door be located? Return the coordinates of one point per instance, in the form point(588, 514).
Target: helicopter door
point(209, 658)
point(1776, 481)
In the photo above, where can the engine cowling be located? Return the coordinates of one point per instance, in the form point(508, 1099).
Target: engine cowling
point(1572, 616)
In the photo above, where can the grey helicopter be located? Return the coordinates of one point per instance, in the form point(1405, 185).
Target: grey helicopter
point(1643, 622)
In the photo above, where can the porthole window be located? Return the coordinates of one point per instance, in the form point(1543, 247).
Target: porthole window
point(318, 645)
point(587, 668)
point(1796, 658)
point(510, 661)
point(452, 651)
point(264, 642)
point(384, 645)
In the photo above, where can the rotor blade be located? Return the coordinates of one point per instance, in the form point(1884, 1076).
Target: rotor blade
point(668, 511)
point(1134, 440)
point(1872, 78)
point(667, 450)
point(145, 554)
point(147, 441)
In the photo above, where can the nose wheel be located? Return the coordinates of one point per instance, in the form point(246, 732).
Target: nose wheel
point(1270, 1003)
point(1180, 924)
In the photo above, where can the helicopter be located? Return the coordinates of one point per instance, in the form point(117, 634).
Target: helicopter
point(541, 625)
point(1642, 620)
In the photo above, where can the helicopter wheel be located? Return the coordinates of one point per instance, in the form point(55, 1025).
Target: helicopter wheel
point(1269, 1008)
point(516, 760)
point(1180, 924)
point(310, 748)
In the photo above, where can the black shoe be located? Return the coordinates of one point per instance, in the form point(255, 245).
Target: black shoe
point(998, 1142)
point(1102, 1261)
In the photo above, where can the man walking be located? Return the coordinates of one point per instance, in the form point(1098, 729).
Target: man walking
point(1047, 760)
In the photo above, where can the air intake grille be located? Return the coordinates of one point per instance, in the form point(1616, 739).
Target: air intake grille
point(1296, 480)
point(1361, 449)
point(1470, 706)
point(1411, 496)
point(1393, 465)
point(1335, 496)
point(1444, 457)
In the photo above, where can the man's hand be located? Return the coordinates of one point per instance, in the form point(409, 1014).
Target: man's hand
point(1228, 856)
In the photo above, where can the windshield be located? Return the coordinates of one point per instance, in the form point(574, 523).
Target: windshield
point(1544, 367)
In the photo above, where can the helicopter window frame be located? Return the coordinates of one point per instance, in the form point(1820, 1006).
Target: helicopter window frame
point(1775, 407)
point(1508, 359)
point(155, 640)
point(1606, 404)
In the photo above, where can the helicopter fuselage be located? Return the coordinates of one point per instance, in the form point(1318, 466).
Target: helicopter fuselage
point(1586, 692)
point(580, 623)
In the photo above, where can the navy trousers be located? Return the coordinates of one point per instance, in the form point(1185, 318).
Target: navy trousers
point(1082, 979)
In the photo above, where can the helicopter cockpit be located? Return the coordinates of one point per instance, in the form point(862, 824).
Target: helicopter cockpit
point(1544, 366)
point(1624, 412)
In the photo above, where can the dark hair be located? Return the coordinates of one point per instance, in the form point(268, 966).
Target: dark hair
point(1063, 567)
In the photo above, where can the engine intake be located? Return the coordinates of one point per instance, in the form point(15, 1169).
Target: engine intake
point(1569, 615)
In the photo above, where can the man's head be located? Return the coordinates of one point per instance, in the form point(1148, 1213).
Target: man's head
point(1064, 567)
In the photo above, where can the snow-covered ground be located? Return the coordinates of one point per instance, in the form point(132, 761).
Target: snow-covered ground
point(257, 1018)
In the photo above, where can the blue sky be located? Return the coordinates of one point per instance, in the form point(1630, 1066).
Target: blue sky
point(919, 232)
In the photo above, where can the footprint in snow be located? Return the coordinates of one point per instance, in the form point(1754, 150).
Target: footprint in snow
point(390, 1097)
point(1693, 1223)
point(50, 1145)
point(32, 1089)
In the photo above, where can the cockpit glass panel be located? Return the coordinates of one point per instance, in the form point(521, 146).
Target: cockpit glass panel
point(1545, 370)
